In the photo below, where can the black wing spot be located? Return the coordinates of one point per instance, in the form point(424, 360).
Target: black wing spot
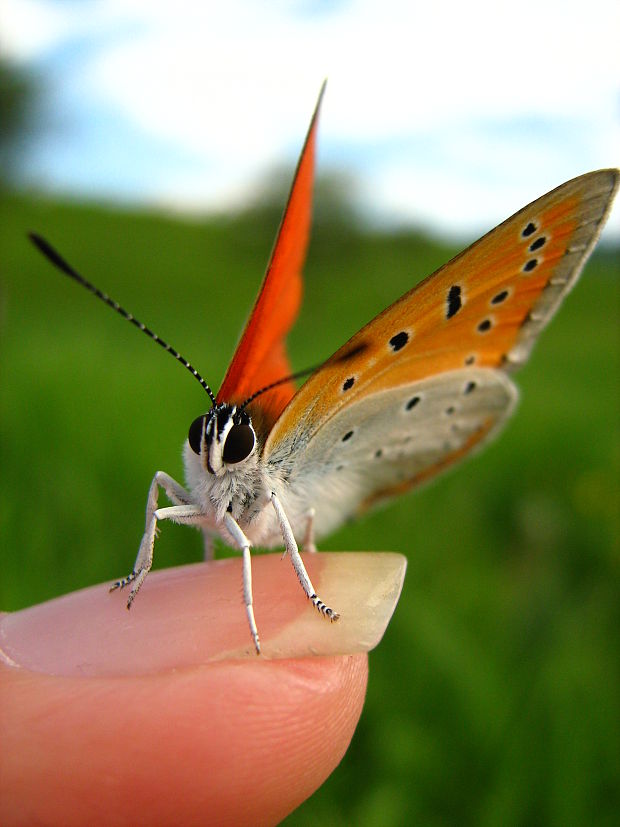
point(528, 230)
point(536, 245)
point(469, 387)
point(349, 383)
point(453, 301)
point(484, 326)
point(347, 436)
point(450, 410)
point(498, 298)
point(339, 467)
point(378, 453)
point(469, 360)
point(530, 265)
point(412, 403)
point(399, 341)
point(354, 351)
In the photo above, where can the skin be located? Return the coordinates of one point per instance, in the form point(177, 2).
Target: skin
point(125, 736)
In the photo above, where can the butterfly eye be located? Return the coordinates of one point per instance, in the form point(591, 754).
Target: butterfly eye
point(195, 433)
point(239, 444)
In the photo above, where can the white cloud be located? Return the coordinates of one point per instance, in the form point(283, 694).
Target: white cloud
point(232, 85)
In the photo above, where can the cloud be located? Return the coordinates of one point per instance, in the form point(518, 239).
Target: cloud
point(437, 108)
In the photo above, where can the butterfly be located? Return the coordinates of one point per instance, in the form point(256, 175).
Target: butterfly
point(418, 388)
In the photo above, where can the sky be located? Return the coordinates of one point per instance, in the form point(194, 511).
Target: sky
point(446, 115)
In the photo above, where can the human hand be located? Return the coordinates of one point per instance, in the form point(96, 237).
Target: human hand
point(165, 714)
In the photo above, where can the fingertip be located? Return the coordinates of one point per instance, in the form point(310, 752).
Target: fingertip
point(202, 745)
point(164, 705)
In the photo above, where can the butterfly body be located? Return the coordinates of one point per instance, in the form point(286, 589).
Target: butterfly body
point(418, 388)
point(241, 490)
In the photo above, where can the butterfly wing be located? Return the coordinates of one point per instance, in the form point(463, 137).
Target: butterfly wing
point(260, 357)
point(380, 446)
point(448, 344)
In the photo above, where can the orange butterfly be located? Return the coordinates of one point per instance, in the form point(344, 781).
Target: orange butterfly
point(417, 388)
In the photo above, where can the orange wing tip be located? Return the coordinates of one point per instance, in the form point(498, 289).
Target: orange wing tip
point(595, 193)
point(260, 357)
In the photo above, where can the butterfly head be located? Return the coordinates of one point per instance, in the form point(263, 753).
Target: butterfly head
point(223, 438)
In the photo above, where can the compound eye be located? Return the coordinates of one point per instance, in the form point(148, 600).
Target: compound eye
point(239, 444)
point(196, 430)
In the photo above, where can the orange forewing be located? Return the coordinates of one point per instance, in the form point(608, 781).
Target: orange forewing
point(260, 357)
point(502, 306)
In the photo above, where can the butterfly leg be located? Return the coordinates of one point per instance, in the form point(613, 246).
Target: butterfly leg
point(244, 544)
point(309, 544)
point(298, 564)
point(208, 550)
point(184, 511)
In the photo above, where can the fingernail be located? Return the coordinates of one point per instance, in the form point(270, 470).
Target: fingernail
point(363, 587)
point(194, 615)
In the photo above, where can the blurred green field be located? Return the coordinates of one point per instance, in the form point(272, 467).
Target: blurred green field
point(495, 696)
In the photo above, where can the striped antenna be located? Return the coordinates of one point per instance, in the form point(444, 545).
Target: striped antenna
point(275, 384)
point(58, 261)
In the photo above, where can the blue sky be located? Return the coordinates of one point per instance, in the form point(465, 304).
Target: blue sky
point(448, 115)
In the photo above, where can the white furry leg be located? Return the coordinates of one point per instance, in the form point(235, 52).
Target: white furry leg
point(298, 563)
point(309, 544)
point(184, 511)
point(208, 550)
point(244, 545)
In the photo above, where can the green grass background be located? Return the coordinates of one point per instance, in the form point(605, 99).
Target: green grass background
point(494, 698)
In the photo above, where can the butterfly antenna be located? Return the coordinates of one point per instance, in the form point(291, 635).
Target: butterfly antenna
point(275, 384)
point(58, 261)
